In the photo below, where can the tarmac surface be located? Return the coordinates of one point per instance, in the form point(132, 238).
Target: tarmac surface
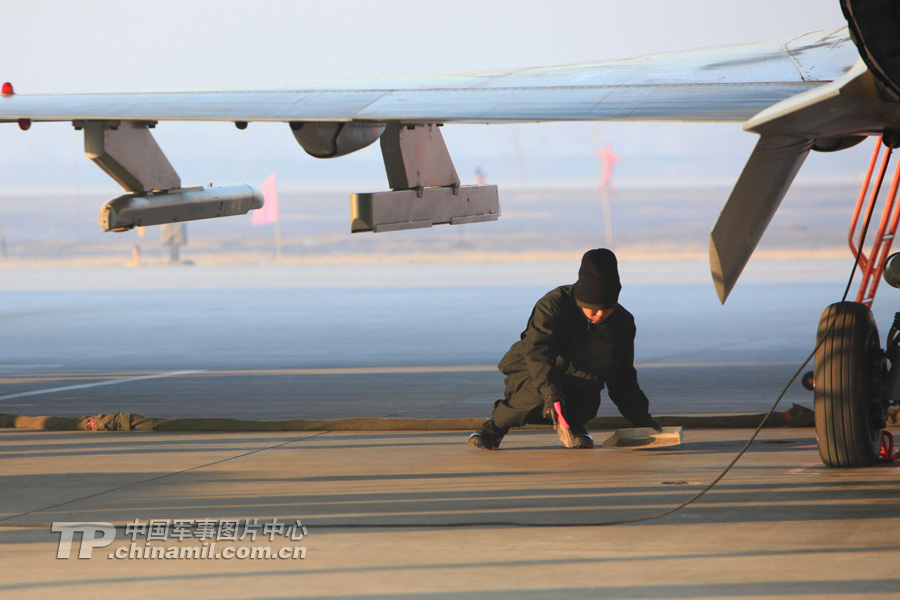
point(422, 515)
point(415, 514)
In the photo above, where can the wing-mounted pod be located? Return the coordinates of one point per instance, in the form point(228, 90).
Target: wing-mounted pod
point(176, 205)
point(425, 187)
point(127, 152)
point(329, 139)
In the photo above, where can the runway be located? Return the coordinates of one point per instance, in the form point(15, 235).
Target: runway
point(391, 340)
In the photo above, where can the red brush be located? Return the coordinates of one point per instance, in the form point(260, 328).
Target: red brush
point(562, 427)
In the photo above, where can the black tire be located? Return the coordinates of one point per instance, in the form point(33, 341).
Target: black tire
point(849, 409)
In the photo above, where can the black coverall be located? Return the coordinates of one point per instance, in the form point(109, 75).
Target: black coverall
point(561, 352)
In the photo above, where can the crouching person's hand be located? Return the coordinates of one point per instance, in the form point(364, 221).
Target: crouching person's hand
point(549, 411)
point(648, 421)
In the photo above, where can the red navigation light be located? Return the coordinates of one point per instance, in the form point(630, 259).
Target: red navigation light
point(24, 124)
point(7, 89)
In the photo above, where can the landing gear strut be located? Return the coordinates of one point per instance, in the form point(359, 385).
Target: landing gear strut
point(852, 384)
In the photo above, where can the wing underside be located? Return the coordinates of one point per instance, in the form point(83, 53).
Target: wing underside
point(728, 83)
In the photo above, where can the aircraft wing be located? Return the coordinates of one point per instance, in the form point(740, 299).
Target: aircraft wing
point(808, 92)
point(727, 83)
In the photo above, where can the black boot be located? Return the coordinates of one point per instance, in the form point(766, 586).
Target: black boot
point(583, 440)
point(488, 437)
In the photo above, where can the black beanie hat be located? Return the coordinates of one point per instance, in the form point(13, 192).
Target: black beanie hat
point(598, 283)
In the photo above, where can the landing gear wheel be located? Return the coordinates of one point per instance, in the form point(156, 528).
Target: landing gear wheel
point(849, 409)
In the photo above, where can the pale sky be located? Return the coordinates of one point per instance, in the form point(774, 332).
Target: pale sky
point(99, 45)
point(58, 46)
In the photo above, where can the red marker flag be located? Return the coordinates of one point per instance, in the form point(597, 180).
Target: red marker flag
point(269, 212)
point(608, 159)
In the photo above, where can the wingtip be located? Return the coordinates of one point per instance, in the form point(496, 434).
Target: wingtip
point(723, 287)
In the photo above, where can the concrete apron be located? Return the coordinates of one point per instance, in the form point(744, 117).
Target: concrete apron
point(423, 515)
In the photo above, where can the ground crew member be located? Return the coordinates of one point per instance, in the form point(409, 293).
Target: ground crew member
point(577, 339)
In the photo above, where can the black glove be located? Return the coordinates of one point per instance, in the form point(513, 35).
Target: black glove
point(649, 421)
point(549, 412)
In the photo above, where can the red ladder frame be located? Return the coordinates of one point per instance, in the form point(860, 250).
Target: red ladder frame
point(871, 263)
